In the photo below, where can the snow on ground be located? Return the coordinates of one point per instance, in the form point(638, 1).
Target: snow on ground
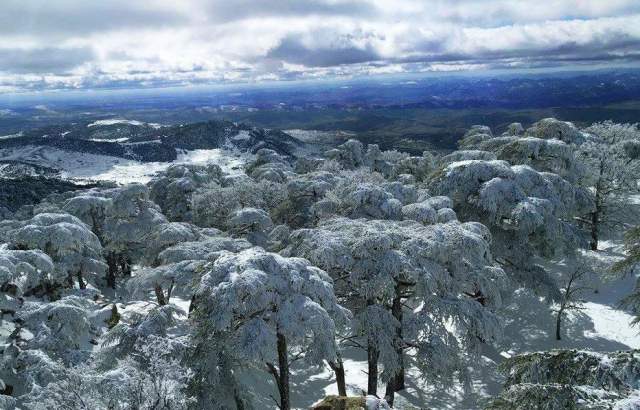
point(6, 137)
point(123, 139)
point(86, 167)
point(113, 121)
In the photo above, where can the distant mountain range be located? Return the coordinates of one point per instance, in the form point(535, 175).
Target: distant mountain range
point(150, 142)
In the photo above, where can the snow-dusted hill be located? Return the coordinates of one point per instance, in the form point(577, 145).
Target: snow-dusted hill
point(124, 151)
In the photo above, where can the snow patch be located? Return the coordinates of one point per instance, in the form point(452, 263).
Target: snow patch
point(113, 121)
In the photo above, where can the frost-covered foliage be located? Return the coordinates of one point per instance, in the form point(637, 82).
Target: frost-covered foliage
point(441, 273)
point(612, 158)
point(466, 155)
point(528, 212)
point(23, 272)
point(181, 267)
point(172, 190)
point(268, 308)
point(151, 377)
point(214, 205)
point(475, 135)
point(75, 250)
point(570, 379)
point(61, 328)
point(252, 223)
point(130, 226)
point(548, 146)
point(269, 166)
point(546, 155)
point(140, 329)
point(551, 128)
point(352, 155)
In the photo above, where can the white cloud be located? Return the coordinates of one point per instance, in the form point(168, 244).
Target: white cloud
point(120, 43)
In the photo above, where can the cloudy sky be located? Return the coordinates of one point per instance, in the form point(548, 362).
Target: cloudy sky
point(80, 44)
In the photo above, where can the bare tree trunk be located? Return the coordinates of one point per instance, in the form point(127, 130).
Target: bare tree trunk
point(396, 383)
point(81, 282)
point(372, 376)
point(559, 322)
point(192, 305)
point(338, 369)
point(159, 294)
point(112, 262)
point(372, 362)
point(170, 290)
point(595, 226)
point(596, 214)
point(283, 364)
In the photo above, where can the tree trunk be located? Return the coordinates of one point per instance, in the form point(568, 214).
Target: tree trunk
point(338, 369)
point(595, 215)
point(192, 305)
point(372, 360)
point(396, 383)
point(595, 221)
point(112, 262)
point(81, 282)
point(559, 323)
point(159, 294)
point(125, 265)
point(170, 290)
point(283, 374)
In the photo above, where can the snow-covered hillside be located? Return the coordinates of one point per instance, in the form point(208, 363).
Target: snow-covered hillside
point(92, 167)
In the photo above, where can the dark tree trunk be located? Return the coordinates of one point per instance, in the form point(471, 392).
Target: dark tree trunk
point(125, 265)
point(81, 281)
point(283, 373)
point(397, 380)
point(338, 369)
point(159, 294)
point(192, 304)
point(559, 324)
point(170, 290)
point(595, 221)
point(596, 214)
point(112, 272)
point(372, 376)
point(372, 362)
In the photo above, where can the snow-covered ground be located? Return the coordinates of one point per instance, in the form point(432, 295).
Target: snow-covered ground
point(113, 121)
point(86, 167)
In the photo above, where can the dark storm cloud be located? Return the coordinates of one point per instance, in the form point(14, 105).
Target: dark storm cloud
point(291, 50)
point(43, 60)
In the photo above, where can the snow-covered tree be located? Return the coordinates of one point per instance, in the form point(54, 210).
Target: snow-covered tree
point(529, 213)
point(612, 156)
point(181, 267)
point(74, 249)
point(251, 223)
point(173, 189)
point(151, 377)
point(271, 309)
point(570, 379)
point(405, 281)
point(214, 204)
point(551, 128)
point(25, 272)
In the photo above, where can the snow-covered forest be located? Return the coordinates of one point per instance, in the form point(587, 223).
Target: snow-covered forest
point(496, 276)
